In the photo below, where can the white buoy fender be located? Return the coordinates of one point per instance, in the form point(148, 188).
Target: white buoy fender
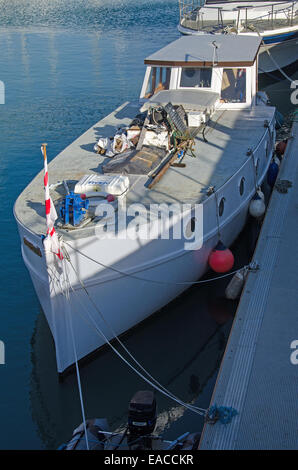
point(235, 286)
point(257, 206)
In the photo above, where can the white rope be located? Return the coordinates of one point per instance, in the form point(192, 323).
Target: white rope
point(169, 394)
point(154, 281)
point(75, 356)
point(156, 385)
point(276, 64)
point(270, 56)
point(79, 383)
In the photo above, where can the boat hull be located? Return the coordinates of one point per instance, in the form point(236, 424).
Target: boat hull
point(104, 302)
point(123, 301)
point(105, 286)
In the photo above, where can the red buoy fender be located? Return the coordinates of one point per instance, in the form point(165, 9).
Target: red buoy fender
point(221, 259)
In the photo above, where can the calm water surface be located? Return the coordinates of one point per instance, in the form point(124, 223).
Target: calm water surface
point(66, 64)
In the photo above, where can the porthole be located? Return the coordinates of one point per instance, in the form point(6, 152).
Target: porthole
point(266, 148)
point(241, 186)
point(190, 228)
point(221, 207)
point(257, 165)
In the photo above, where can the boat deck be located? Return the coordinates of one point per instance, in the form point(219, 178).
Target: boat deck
point(218, 158)
point(257, 377)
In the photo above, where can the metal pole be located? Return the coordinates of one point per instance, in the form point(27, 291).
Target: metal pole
point(238, 20)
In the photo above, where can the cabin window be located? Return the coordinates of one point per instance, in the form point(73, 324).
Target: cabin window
point(193, 224)
point(191, 227)
point(267, 148)
point(159, 80)
point(233, 87)
point(196, 77)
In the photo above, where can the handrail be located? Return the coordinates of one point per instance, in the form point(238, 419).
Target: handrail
point(190, 10)
point(252, 7)
point(192, 5)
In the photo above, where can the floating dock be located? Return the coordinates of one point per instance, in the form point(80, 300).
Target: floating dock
point(257, 376)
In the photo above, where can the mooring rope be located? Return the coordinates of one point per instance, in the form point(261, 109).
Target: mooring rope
point(66, 293)
point(156, 385)
point(254, 28)
point(154, 281)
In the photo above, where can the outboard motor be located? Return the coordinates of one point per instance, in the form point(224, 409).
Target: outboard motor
point(141, 418)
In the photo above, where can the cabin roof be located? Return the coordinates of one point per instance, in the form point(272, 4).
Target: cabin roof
point(232, 50)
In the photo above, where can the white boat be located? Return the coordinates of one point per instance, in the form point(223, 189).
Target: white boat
point(275, 22)
point(113, 275)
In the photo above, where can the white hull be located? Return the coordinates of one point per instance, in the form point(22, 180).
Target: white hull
point(125, 301)
point(106, 285)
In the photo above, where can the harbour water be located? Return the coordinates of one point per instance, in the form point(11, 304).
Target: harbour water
point(66, 64)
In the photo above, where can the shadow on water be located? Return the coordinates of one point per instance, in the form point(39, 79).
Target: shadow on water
point(181, 346)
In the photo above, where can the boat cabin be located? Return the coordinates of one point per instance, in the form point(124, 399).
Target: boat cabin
point(203, 72)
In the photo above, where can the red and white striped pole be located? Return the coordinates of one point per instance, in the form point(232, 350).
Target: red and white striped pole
point(51, 214)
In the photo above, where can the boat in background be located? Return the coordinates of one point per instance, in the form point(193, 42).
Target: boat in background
point(275, 22)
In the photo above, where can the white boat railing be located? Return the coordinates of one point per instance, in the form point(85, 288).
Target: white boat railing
point(196, 15)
